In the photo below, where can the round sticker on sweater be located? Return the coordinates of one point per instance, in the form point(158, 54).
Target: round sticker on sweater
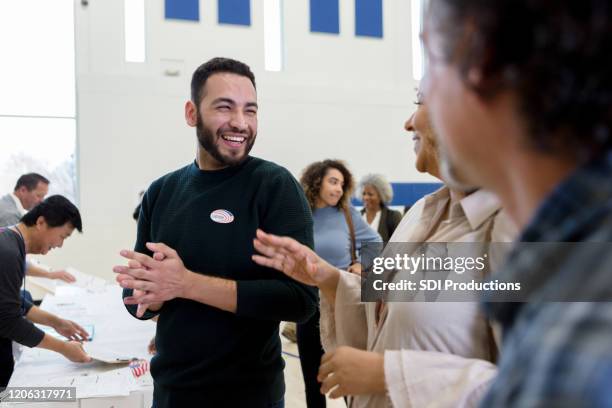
point(222, 216)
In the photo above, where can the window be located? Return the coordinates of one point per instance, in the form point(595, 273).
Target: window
point(37, 102)
point(134, 30)
point(418, 54)
point(273, 35)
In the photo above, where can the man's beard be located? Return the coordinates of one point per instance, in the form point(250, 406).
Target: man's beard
point(207, 140)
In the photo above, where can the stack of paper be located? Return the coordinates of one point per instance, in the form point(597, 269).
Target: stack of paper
point(108, 384)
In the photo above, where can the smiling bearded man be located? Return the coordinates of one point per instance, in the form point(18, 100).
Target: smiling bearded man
point(219, 312)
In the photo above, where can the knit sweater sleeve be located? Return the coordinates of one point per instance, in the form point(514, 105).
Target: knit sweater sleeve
point(13, 325)
point(284, 211)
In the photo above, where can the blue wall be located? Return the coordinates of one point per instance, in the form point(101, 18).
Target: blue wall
point(406, 194)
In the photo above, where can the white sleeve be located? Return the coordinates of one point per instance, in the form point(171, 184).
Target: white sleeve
point(433, 379)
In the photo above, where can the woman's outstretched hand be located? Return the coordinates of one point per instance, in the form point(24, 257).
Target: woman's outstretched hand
point(295, 260)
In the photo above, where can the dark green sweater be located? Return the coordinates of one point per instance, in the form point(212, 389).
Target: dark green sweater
point(206, 356)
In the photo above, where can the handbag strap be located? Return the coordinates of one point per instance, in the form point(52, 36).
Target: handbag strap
point(351, 227)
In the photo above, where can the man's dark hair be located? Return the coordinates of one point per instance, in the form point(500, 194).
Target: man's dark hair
point(553, 53)
point(215, 66)
point(57, 210)
point(30, 181)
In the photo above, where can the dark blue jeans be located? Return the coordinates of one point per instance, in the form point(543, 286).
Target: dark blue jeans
point(25, 296)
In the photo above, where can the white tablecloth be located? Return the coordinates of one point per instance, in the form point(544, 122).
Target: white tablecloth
point(114, 329)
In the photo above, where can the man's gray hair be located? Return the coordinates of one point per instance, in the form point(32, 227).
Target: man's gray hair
point(380, 183)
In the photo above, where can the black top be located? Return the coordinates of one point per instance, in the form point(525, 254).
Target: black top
point(210, 219)
point(13, 324)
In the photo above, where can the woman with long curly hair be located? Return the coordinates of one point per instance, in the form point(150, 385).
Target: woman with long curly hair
point(339, 231)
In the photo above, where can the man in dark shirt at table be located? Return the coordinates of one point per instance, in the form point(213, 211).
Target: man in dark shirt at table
point(45, 227)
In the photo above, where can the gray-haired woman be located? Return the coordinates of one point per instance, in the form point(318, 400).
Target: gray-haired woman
point(376, 193)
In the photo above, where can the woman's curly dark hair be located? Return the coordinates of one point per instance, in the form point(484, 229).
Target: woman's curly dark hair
point(553, 53)
point(312, 177)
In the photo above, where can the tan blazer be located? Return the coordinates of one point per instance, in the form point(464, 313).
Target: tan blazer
point(411, 331)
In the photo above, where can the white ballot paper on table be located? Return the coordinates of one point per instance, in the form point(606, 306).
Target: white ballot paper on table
point(108, 384)
point(106, 354)
point(84, 282)
point(88, 381)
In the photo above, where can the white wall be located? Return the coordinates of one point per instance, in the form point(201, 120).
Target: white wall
point(338, 97)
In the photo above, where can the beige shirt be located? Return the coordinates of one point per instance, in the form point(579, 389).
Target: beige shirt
point(456, 334)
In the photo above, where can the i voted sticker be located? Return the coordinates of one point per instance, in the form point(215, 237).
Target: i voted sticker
point(222, 216)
